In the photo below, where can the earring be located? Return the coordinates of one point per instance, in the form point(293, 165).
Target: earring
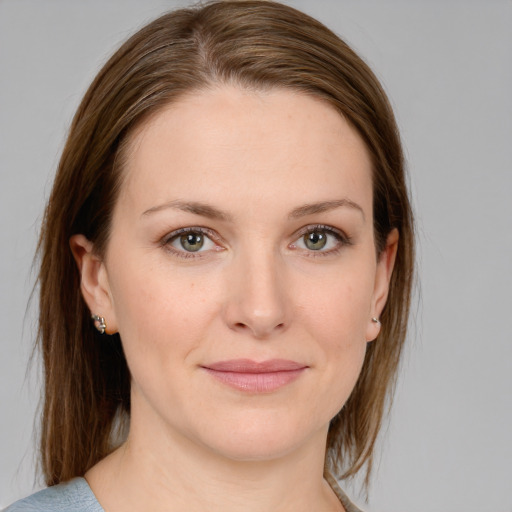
point(99, 323)
point(375, 320)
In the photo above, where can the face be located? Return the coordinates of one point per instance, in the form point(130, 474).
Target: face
point(241, 271)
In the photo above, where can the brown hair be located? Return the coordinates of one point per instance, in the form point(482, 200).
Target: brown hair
point(254, 44)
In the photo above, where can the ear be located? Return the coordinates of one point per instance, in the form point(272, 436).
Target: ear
point(385, 265)
point(94, 280)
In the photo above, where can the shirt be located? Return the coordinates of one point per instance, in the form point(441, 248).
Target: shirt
point(77, 496)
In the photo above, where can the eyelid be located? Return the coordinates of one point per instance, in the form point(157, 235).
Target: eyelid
point(342, 238)
point(191, 229)
point(166, 240)
point(311, 228)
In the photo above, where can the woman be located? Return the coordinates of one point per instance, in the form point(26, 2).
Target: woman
point(226, 264)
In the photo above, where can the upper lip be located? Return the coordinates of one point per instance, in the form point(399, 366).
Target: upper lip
point(249, 366)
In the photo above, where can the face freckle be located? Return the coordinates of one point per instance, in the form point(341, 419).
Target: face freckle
point(232, 165)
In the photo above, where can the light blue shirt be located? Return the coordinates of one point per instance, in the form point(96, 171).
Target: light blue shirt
point(72, 496)
point(77, 496)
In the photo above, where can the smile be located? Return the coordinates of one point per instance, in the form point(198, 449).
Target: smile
point(252, 377)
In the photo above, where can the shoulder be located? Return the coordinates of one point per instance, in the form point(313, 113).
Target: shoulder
point(72, 496)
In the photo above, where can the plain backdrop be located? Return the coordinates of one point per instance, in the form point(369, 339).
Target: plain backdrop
point(447, 66)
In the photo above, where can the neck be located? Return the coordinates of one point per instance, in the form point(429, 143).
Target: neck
point(158, 469)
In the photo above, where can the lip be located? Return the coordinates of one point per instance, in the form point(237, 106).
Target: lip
point(255, 377)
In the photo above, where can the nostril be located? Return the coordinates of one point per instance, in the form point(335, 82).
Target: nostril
point(258, 331)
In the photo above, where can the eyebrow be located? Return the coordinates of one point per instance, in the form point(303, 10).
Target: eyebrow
point(324, 206)
point(210, 212)
point(203, 209)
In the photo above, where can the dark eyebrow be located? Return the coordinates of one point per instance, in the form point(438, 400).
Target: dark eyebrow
point(323, 206)
point(197, 208)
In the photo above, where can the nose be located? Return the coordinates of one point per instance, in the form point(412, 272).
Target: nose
point(257, 302)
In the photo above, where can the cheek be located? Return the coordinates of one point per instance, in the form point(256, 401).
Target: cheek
point(336, 314)
point(161, 312)
point(338, 306)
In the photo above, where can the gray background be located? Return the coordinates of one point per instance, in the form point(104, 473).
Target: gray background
point(448, 69)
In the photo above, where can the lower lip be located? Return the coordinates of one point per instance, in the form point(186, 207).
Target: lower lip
point(265, 382)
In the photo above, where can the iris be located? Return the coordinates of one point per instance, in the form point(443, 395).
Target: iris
point(315, 240)
point(192, 242)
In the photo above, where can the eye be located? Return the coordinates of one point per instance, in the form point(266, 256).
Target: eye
point(187, 241)
point(321, 239)
point(191, 242)
point(315, 240)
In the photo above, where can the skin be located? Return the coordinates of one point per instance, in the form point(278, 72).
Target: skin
point(255, 290)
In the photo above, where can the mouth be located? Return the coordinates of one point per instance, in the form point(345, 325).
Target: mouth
point(256, 377)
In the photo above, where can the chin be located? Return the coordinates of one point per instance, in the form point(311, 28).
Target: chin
point(262, 439)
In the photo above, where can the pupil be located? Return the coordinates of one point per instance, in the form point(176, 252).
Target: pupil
point(192, 242)
point(315, 240)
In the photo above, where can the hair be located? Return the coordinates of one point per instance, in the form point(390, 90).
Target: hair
point(254, 44)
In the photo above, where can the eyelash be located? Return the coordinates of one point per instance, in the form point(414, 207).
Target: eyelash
point(166, 241)
point(342, 239)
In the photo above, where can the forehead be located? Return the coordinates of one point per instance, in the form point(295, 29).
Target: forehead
point(246, 148)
